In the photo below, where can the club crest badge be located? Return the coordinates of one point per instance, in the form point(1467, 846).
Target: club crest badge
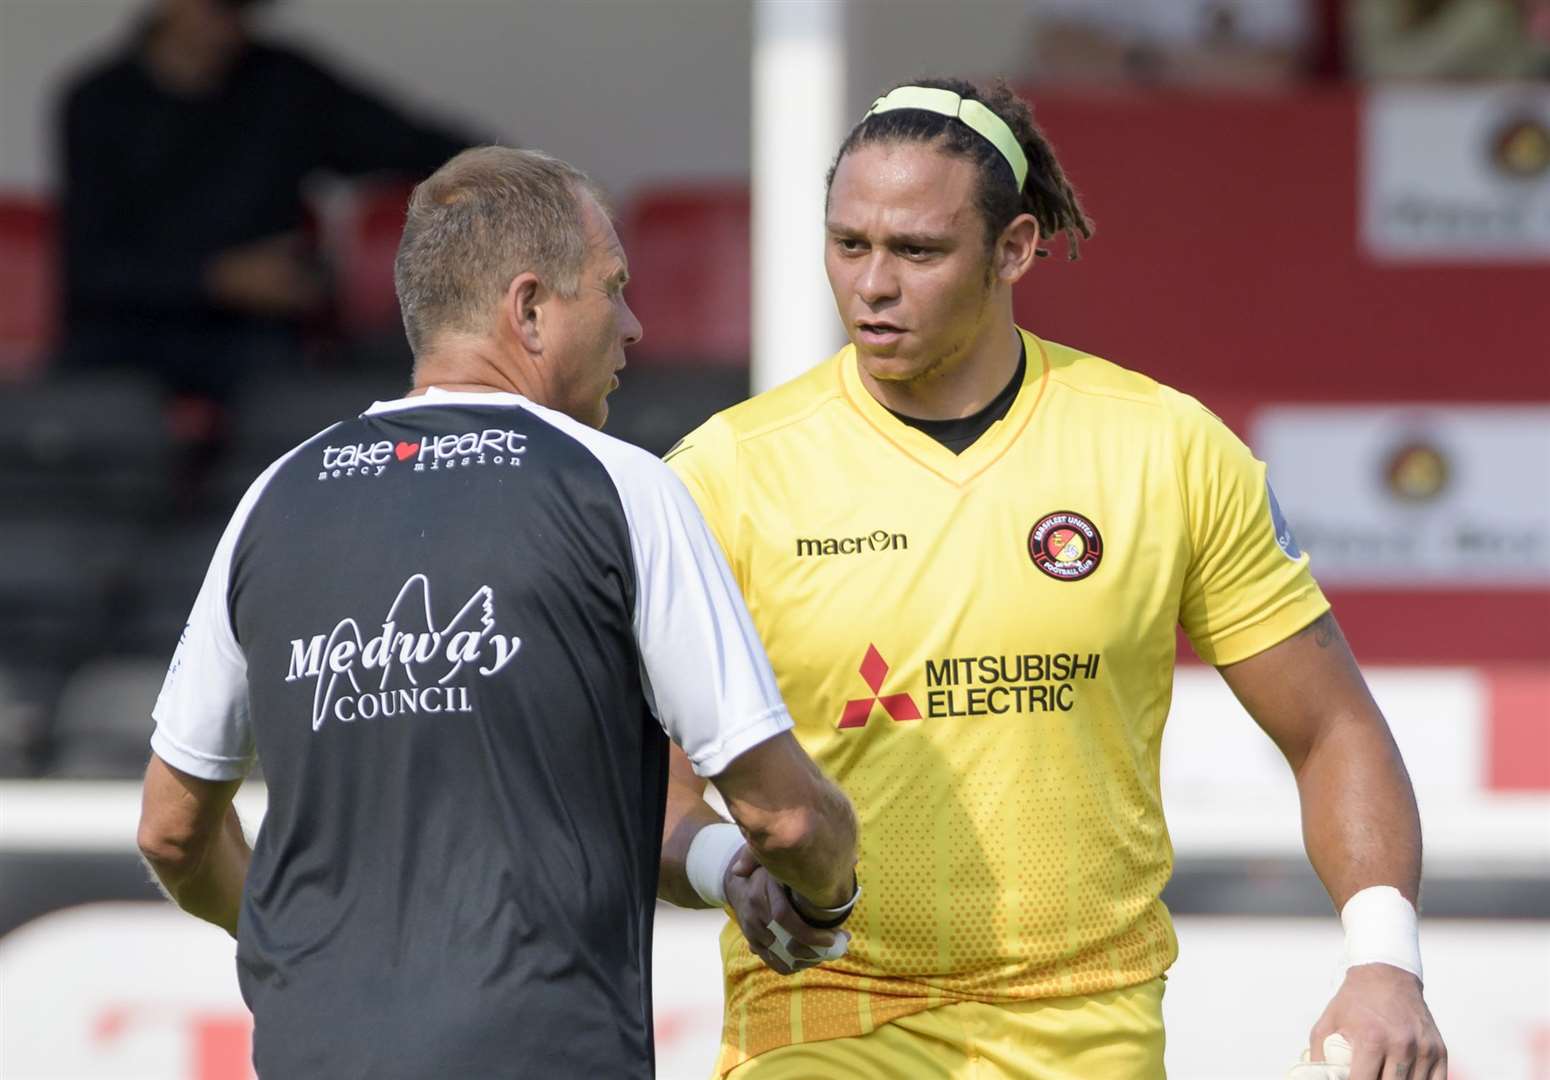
point(1065, 545)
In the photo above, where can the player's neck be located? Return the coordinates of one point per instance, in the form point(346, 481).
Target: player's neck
point(959, 387)
point(466, 364)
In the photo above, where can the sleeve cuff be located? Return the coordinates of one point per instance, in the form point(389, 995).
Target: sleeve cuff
point(204, 766)
point(714, 760)
point(1272, 628)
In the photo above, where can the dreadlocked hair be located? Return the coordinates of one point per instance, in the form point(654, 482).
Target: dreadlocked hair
point(1046, 194)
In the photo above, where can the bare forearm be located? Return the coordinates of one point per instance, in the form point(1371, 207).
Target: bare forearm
point(820, 865)
point(1361, 828)
point(687, 814)
point(798, 824)
point(1359, 818)
point(211, 887)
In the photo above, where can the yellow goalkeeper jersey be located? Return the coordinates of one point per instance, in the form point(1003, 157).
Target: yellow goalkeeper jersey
point(979, 649)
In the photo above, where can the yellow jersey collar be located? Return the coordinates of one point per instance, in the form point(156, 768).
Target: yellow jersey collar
point(961, 468)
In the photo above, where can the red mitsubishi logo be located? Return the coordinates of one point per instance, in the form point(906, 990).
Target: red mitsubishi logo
point(874, 669)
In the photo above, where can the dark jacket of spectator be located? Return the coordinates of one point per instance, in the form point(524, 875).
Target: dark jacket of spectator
point(183, 212)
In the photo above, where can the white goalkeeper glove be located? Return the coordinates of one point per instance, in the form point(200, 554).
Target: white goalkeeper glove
point(1335, 1066)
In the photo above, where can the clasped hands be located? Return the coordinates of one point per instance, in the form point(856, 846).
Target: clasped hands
point(775, 932)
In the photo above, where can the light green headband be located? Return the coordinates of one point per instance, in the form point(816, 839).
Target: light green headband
point(974, 113)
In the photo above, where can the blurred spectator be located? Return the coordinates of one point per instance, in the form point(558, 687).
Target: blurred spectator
point(183, 158)
point(1450, 39)
point(1225, 43)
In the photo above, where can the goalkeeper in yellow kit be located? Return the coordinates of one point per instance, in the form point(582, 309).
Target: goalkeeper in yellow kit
point(967, 549)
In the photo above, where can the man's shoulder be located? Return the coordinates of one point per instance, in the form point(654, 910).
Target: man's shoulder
point(275, 54)
point(787, 405)
point(1079, 370)
point(275, 64)
point(710, 457)
point(625, 463)
point(100, 79)
point(1139, 394)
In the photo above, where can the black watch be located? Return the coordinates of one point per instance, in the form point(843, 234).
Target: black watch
point(829, 918)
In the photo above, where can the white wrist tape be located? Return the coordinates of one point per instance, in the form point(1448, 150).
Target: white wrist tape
point(1335, 1066)
point(710, 853)
point(1380, 928)
point(782, 947)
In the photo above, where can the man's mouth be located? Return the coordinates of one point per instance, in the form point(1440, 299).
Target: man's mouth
point(878, 332)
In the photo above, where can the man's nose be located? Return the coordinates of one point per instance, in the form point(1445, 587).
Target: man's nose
point(632, 331)
point(877, 281)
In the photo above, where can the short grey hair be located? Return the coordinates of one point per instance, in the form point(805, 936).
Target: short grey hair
point(484, 217)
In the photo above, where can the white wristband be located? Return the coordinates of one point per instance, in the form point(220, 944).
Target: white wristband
point(710, 853)
point(1380, 928)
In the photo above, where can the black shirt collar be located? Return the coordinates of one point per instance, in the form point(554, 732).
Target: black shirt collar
point(960, 434)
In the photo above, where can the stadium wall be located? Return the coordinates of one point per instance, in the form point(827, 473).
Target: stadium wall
point(137, 990)
point(149, 994)
point(614, 100)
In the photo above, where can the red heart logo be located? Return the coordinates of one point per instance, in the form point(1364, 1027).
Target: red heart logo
point(406, 450)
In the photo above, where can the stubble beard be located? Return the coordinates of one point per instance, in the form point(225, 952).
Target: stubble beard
point(945, 360)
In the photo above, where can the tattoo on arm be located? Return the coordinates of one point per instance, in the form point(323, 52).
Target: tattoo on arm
point(1323, 630)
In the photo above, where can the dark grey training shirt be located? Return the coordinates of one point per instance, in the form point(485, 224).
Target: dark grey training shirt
point(455, 629)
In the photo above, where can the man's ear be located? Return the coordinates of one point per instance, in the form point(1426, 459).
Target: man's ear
point(521, 309)
point(1017, 248)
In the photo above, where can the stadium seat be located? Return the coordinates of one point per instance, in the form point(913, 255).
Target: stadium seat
point(97, 441)
point(21, 725)
point(361, 234)
point(102, 723)
point(61, 575)
point(276, 413)
point(689, 274)
point(160, 586)
point(28, 288)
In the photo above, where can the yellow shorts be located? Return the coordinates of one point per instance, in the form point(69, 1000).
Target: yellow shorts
point(1116, 1035)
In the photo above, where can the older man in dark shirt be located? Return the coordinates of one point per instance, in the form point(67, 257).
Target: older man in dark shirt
point(183, 160)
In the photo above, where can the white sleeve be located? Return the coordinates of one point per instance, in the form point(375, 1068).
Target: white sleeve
point(201, 714)
point(706, 674)
point(703, 666)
